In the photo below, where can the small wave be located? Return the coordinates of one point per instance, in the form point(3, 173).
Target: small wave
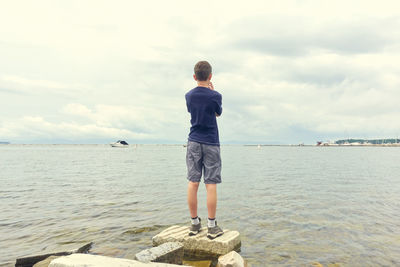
point(6, 264)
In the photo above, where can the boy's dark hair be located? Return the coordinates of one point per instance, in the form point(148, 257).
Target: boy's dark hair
point(202, 70)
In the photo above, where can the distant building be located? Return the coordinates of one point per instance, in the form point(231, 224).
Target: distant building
point(362, 142)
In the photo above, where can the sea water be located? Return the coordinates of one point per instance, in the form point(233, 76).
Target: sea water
point(293, 206)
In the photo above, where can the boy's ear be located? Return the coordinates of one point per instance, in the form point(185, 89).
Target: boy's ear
point(210, 76)
point(194, 77)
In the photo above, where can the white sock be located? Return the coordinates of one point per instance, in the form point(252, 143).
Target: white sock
point(195, 220)
point(211, 222)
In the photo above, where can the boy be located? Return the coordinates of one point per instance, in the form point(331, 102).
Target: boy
point(203, 151)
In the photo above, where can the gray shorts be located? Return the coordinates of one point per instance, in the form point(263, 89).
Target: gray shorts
point(201, 157)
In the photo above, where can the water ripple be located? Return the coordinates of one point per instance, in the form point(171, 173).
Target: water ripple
point(294, 206)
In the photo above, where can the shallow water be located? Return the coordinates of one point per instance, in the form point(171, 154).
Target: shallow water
point(292, 205)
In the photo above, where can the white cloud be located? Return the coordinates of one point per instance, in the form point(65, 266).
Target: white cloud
point(37, 128)
point(77, 109)
point(103, 123)
point(25, 85)
point(32, 83)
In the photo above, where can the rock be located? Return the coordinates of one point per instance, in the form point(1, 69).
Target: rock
point(45, 262)
point(31, 260)
point(197, 263)
point(199, 245)
point(169, 252)
point(232, 259)
point(85, 260)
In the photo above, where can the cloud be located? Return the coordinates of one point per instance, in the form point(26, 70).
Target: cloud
point(32, 83)
point(282, 102)
point(289, 36)
point(24, 85)
point(141, 119)
point(33, 128)
point(104, 122)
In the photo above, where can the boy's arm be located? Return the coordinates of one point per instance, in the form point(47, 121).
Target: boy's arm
point(187, 103)
point(218, 110)
point(211, 86)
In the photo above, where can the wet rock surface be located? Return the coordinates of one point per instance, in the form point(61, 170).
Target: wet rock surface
point(85, 260)
point(232, 259)
point(199, 245)
point(31, 260)
point(169, 252)
point(45, 262)
point(203, 263)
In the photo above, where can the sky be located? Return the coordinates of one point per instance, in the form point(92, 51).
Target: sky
point(289, 72)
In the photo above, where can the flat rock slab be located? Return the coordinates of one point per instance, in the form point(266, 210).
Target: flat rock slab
point(169, 252)
point(199, 245)
point(29, 261)
point(46, 262)
point(87, 260)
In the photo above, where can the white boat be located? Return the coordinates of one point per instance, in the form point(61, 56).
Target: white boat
point(120, 143)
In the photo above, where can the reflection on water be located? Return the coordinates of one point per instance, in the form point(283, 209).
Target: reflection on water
point(292, 205)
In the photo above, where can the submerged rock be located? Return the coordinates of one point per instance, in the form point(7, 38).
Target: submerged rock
point(108, 251)
point(170, 252)
point(199, 245)
point(203, 263)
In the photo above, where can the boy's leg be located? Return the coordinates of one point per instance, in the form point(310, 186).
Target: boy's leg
point(195, 226)
point(211, 200)
point(194, 166)
point(212, 177)
point(192, 198)
point(213, 229)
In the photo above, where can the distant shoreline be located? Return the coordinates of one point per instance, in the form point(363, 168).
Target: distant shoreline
point(249, 145)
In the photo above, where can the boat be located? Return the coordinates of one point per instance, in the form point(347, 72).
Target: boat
point(120, 143)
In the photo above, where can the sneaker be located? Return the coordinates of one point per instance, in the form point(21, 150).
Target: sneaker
point(195, 228)
point(214, 232)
